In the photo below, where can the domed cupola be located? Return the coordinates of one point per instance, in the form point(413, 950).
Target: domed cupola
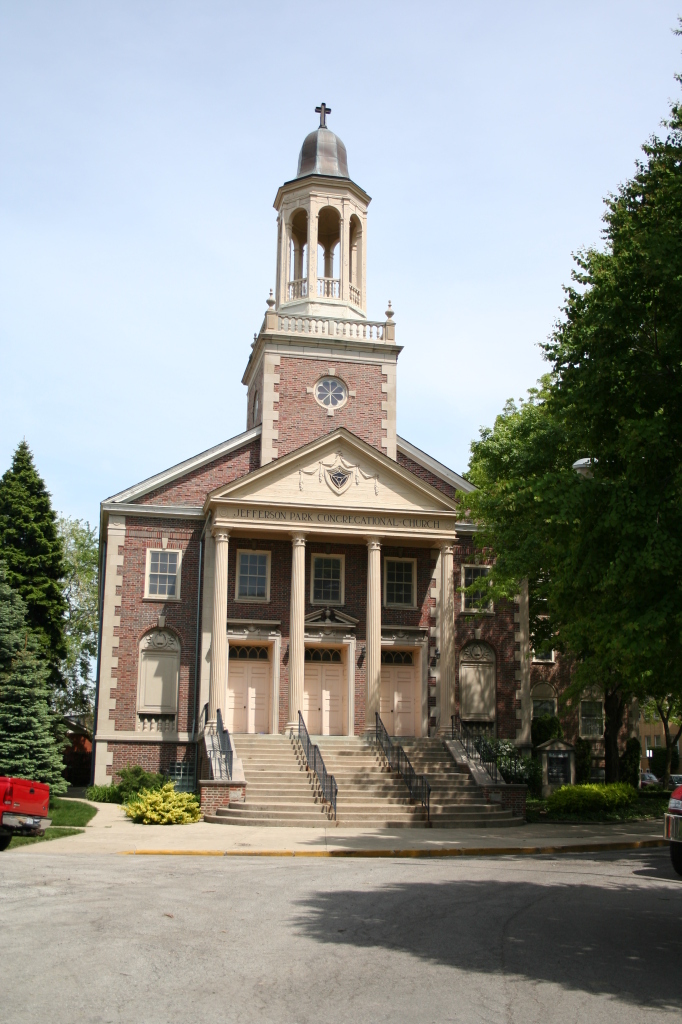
point(322, 233)
point(323, 152)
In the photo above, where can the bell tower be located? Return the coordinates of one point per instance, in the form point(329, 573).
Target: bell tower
point(317, 362)
point(321, 232)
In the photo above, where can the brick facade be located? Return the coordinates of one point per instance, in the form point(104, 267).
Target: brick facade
point(192, 488)
point(302, 420)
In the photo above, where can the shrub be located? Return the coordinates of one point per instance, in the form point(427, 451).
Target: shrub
point(512, 768)
point(546, 727)
point(164, 807)
point(583, 761)
point(630, 761)
point(657, 761)
point(133, 780)
point(591, 799)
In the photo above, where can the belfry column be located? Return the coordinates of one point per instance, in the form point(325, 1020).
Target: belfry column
point(373, 685)
point(447, 638)
point(296, 629)
point(216, 689)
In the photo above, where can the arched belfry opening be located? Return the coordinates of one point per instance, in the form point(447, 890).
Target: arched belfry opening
point(298, 256)
point(328, 238)
point(322, 233)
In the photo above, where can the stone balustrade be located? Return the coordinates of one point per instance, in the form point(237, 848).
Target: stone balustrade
point(368, 330)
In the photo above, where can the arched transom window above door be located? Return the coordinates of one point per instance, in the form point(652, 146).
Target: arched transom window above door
point(325, 654)
point(244, 653)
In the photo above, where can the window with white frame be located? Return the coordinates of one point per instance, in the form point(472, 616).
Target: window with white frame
point(591, 719)
point(400, 578)
point(544, 657)
point(162, 581)
point(544, 700)
point(253, 576)
point(648, 746)
point(475, 602)
point(327, 579)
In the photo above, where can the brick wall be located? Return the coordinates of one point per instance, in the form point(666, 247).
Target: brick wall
point(139, 615)
point(428, 477)
point(153, 757)
point(220, 794)
point(302, 420)
point(510, 797)
point(192, 488)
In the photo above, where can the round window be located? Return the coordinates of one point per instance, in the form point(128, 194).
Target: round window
point(331, 392)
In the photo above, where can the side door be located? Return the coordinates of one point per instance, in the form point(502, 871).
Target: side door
point(403, 700)
point(386, 696)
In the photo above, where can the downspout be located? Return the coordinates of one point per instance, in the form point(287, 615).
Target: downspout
point(196, 646)
point(103, 573)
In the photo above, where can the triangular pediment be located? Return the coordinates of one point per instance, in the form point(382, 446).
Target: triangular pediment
point(339, 471)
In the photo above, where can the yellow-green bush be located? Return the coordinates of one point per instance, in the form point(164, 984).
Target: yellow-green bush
point(163, 807)
point(591, 798)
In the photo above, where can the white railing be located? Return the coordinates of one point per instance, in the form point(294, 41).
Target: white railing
point(368, 330)
point(355, 295)
point(328, 288)
point(297, 289)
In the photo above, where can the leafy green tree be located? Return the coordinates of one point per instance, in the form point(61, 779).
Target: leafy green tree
point(630, 762)
point(28, 748)
point(32, 549)
point(665, 703)
point(602, 548)
point(80, 590)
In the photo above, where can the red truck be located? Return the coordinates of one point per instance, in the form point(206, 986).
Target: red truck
point(24, 808)
point(673, 828)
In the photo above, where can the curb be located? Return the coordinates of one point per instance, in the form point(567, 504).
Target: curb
point(453, 851)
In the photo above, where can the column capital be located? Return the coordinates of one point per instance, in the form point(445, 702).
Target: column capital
point(220, 533)
point(374, 543)
point(447, 547)
point(299, 540)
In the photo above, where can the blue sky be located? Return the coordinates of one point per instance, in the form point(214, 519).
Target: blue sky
point(141, 147)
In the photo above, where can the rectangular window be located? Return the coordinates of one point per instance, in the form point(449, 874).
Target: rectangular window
point(327, 582)
point(399, 582)
point(544, 707)
point(163, 575)
point(547, 657)
point(253, 576)
point(475, 601)
point(657, 741)
point(591, 718)
point(648, 747)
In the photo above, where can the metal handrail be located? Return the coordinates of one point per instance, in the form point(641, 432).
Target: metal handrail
point(418, 785)
point(316, 764)
point(477, 744)
point(203, 717)
point(225, 743)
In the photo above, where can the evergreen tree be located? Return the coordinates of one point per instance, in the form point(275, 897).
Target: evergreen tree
point(27, 746)
point(32, 549)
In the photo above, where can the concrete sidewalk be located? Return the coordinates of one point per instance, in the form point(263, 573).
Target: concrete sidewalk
point(111, 832)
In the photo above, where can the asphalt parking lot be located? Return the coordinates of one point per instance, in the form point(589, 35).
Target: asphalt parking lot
point(107, 938)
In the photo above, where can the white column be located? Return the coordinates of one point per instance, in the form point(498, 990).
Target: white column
point(296, 629)
point(373, 670)
point(447, 638)
point(217, 685)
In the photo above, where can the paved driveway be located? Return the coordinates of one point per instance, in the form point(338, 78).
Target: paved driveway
point(104, 938)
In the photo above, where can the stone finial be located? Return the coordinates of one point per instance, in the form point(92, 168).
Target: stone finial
point(270, 300)
point(390, 311)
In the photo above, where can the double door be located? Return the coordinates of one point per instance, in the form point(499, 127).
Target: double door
point(396, 703)
point(323, 699)
point(248, 696)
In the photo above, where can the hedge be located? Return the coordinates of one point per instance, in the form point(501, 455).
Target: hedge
point(133, 780)
point(164, 807)
point(591, 798)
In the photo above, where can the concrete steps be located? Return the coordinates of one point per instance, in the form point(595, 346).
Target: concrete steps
point(279, 790)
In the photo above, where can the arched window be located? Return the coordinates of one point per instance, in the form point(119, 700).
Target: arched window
point(355, 260)
point(477, 685)
point(328, 236)
point(544, 700)
point(249, 653)
point(322, 654)
point(396, 658)
point(298, 256)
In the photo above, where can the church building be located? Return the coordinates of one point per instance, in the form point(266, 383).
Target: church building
point(313, 563)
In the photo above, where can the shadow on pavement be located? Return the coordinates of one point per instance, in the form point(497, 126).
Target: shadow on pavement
point(618, 940)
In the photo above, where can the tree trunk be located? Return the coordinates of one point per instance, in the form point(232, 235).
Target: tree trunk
point(614, 709)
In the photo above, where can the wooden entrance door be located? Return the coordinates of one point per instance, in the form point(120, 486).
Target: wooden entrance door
point(312, 698)
point(248, 690)
point(332, 700)
point(396, 700)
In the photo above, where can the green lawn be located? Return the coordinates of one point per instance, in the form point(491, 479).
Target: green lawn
point(74, 813)
point(649, 806)
point(50, 833)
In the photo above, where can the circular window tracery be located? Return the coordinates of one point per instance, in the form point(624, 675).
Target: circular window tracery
point(330, 392)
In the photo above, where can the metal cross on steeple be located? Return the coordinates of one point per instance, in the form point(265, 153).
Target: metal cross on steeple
point(323, 110)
